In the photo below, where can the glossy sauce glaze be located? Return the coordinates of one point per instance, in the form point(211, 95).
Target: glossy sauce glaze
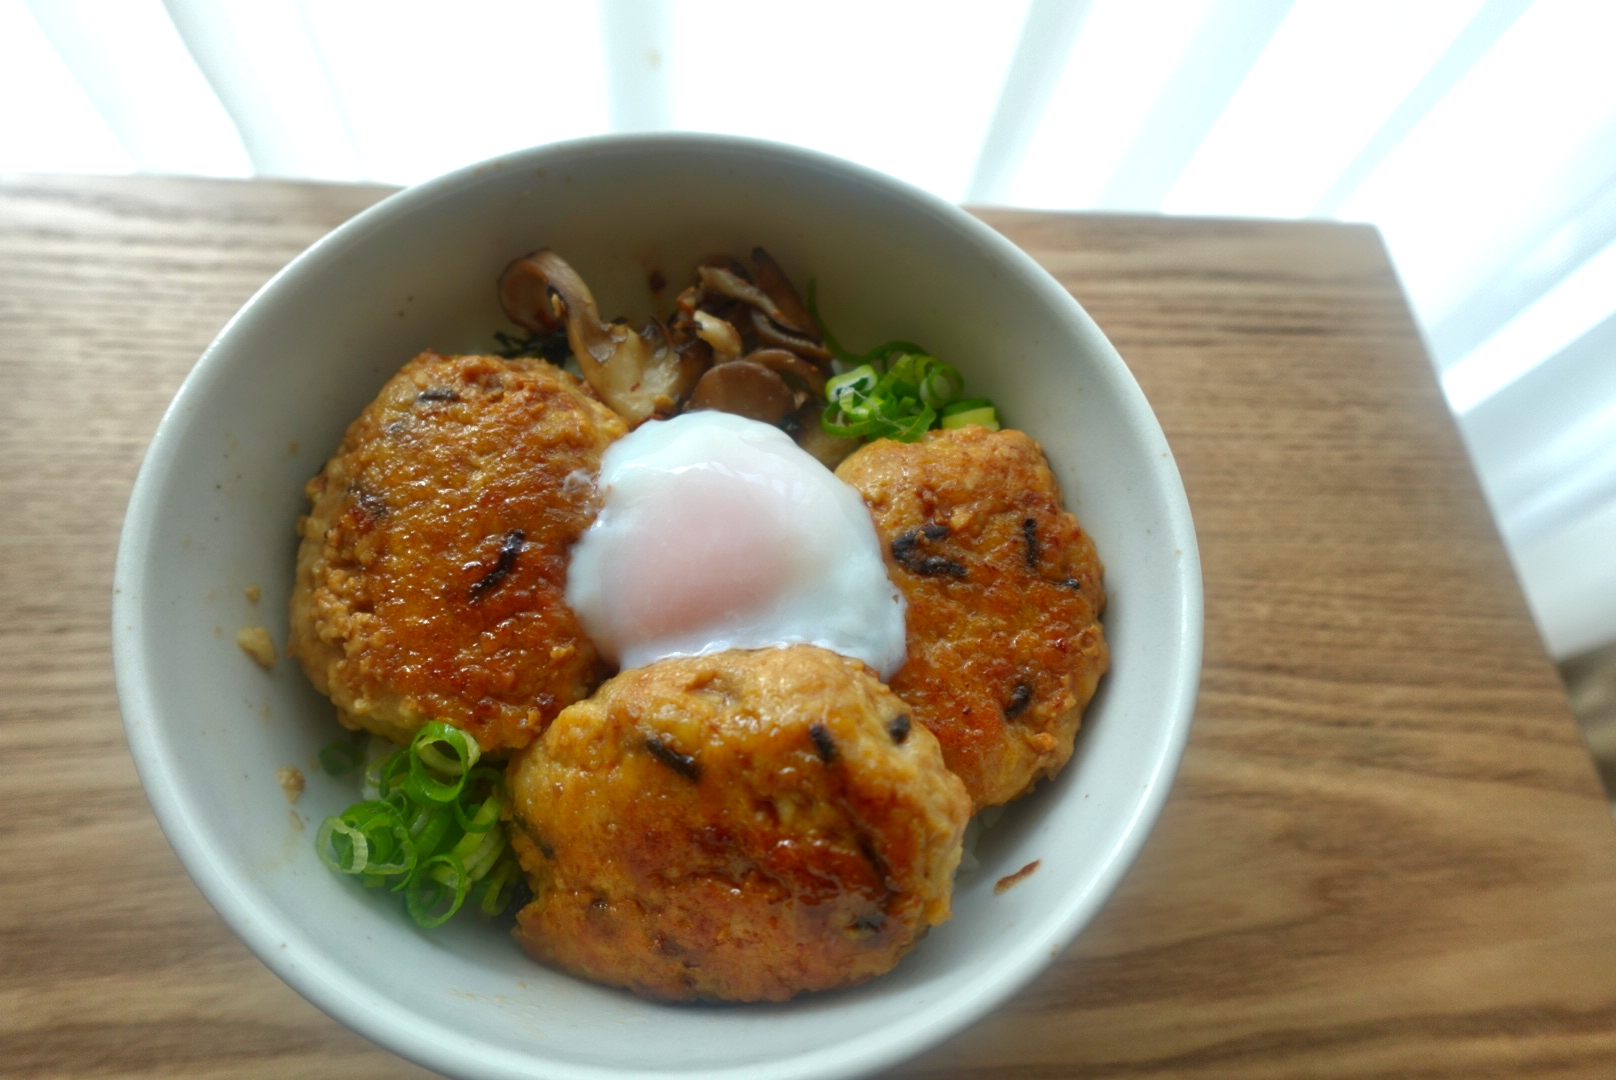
point(434, 561)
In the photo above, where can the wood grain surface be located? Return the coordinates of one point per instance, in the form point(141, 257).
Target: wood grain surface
point(1386, 854)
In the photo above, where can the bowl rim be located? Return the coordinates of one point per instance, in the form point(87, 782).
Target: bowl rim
point(343, 997)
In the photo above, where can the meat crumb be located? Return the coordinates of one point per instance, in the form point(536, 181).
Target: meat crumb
point(256, 643)
point(291, 781)
point(254, 593)
point(1009, 881)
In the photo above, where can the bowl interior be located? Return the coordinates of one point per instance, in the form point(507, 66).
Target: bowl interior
point(214, 508)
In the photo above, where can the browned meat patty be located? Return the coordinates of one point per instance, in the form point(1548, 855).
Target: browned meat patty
point(741, 826)
point(1004, 592)
point(431, 574)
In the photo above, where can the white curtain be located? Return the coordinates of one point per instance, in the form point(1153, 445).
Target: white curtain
point(1479, 135)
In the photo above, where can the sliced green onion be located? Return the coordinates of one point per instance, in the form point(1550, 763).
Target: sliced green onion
point(484, 817)
point(976, 410)
point(464, 747)
point(860, 381)
point(434, 775)
point(481, 858)
point(986, 416)
point(431, 826)
point(341, 846)
point(902, 380)
point(499, 886)
point(432, 831)
point(436, 891)
point(833, 423)
point(941, 386)
point(391, 849)
point(368, 838)
point(896, 390)
point(472, 815)
point(918, 426)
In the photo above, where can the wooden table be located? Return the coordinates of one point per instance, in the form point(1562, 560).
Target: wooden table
point(1386, 854)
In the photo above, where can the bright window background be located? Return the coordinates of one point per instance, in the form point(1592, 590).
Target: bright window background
point(1478, 135)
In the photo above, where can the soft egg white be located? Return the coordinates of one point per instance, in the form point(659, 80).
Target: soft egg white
point(718, 532)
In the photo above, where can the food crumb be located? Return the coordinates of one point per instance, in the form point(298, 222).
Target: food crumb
point(1009, 881)
point(253, 594)
point(291, 781)
point(297, 820)
point(256, 643)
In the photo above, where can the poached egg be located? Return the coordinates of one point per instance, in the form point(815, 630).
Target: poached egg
point(717, 532)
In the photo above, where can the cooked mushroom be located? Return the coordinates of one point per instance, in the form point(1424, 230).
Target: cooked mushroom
point(771, 333)
point(693, 351)
point(746, 389)
point(777, 314)
point(713, 302)
point(722, 336)
point(640, 375)
point(789, 312)
point(731, 284)
point(524, 293)
point(783, 363)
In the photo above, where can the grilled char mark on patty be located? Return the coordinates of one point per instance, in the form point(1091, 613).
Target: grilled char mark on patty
point(509, 549)
point(824, 745)
point(683, 764)
point(907, 550)
point(1020, 698)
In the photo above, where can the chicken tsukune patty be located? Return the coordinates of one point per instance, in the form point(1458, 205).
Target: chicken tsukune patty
point(1004, 594)
point(741, 826)
point(433, 562)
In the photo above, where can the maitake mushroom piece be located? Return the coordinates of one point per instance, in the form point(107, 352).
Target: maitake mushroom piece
point(740, 341)
point(781, 379)
point(761, 305)
point(720, 336)
point(640, 375)
point(789, 310)
point(771, 333)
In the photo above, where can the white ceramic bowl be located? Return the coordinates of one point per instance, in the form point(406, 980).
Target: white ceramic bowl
point(213, 511)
